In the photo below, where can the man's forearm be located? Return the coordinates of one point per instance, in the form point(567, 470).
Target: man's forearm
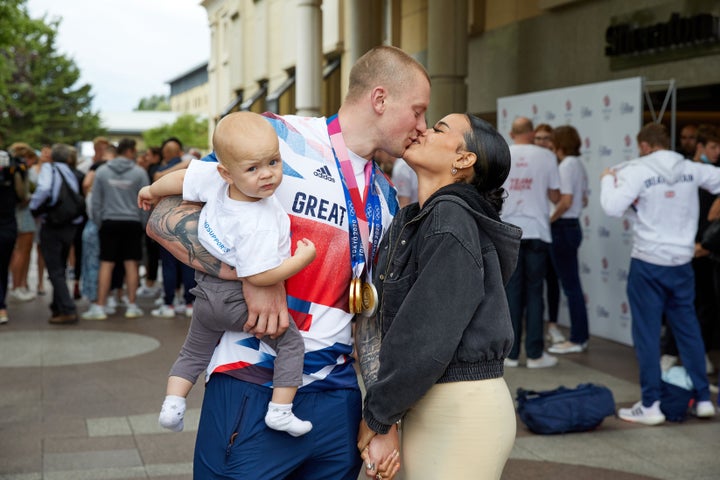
point(367, 342)
point(173, 223)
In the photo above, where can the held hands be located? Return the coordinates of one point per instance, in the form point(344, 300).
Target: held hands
point(146, 199)
point(380, 453)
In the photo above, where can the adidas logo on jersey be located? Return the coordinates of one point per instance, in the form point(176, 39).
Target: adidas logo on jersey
point(324, 173)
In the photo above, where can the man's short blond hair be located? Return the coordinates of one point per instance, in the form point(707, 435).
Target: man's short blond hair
point(385, 66)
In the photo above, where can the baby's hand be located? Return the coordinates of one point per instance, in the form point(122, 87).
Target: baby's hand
point(305, 250)
point(146, 200)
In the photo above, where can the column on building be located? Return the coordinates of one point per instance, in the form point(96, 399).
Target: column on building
point(363, 31)
point(447, 57)
point(309, 58)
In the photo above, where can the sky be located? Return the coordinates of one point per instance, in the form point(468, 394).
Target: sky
point(128, 49)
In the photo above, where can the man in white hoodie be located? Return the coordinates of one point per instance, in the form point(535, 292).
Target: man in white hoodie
point(661, 188)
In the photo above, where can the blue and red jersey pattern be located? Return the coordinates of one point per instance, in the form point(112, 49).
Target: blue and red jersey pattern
point(312, 194)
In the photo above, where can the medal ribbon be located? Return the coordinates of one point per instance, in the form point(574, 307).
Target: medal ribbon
point(365, 218)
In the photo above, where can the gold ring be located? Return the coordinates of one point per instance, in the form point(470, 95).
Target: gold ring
point(378, 477)
point(370, 466)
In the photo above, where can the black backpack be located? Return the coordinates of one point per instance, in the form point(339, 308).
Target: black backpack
point(70, 205)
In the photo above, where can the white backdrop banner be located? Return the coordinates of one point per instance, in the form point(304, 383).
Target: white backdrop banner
point(608, 116)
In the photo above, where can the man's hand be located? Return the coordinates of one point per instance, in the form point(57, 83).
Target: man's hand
point(381, 456)
point(267, 310)
point(608, 171)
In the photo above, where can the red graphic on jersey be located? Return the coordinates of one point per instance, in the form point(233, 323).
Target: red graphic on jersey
point(518, 184)
point(670, 194)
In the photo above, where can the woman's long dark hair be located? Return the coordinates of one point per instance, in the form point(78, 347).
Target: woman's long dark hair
point(493, 160)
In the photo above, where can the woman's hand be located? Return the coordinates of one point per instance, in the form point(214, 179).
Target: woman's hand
point(381, 457)
point(379, 452)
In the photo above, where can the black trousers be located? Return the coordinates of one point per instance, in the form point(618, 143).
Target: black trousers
point(55, 245)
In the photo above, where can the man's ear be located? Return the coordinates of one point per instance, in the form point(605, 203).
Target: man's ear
point(644, 148)
point(224, 173)
point(378, 96)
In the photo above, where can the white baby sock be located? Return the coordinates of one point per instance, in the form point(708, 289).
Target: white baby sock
point(280, 417)
point(172, 413)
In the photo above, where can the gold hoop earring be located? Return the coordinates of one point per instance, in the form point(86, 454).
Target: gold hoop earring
point(454, 171)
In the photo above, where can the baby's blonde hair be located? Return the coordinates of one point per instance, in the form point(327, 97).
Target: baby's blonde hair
point(243, 135)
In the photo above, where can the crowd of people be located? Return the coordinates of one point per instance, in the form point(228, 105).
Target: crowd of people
point(486, 226)
point(97, 255)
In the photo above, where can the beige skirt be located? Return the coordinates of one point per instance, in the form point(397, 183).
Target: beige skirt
point(460, 430)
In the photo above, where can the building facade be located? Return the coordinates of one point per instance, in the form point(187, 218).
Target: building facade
point(294, 56)
point(189, 91)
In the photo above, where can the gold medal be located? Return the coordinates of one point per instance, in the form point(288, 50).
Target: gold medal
point(369, 299)
point(355, 298)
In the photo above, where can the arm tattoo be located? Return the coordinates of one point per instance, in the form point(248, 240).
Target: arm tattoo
point(174, 224)
point(367, 341)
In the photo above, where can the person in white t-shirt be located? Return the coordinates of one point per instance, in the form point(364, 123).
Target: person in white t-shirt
point(532, 181)
point(243, 225)
point(406, 182)
point(661, 187)
point(567, 235)
point(543, 138)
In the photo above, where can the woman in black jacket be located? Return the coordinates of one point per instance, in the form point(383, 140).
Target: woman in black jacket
point(443, 316)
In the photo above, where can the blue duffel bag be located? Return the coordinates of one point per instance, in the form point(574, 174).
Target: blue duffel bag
point(565, 410)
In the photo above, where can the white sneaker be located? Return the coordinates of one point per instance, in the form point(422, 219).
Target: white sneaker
point(646, 415)
point(20, 294)
point(509, 362)
point(133, 311)
point(179, 309)
point(568, 347)
point(667, 362)
point(189, 310)
point(147, 292)
point(160, 301)
point(554, 335)
point(111, 305)
point(704, 409)
point(28, 294)
point(544, 361)
point(165, 311)
point(95, 312)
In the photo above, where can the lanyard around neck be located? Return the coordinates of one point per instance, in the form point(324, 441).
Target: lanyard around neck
point(365, 218)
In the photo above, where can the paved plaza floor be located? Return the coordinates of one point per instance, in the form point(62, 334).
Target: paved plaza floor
point(81, 402)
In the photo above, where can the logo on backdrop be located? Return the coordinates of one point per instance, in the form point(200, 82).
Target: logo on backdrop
point(549, 116)
point(626, 108)
point(624, 314)
point(604, 151)
point(605, 271)
point(622, 275)
point(602, 312)
point(585, 112)
point(627, 233)
point(607, 109)
point(629, 151)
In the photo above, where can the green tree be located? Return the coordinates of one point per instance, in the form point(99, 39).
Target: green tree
point(40, 98)
point(155, 102)
point(191, 130)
